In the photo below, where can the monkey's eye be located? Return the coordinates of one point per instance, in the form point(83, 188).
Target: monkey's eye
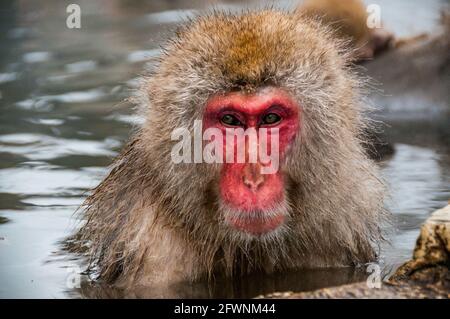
point(231, 120)
point(271, 118)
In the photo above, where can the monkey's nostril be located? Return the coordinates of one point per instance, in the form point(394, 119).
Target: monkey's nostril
point(252, 178)
point(253, 184)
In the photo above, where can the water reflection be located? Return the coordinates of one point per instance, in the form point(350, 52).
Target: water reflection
point(246, 287)
point(62, 121)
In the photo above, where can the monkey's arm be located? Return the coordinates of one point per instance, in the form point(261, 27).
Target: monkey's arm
point(122, 233)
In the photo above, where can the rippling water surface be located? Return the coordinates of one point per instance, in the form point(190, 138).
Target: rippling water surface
point(62, 120)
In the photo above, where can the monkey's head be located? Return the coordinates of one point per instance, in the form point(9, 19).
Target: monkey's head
point(269, 70)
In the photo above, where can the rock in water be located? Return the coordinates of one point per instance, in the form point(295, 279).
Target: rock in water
point(430, 265)
point(426, 275)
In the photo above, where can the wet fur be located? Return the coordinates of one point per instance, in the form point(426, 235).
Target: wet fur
point(153, 222)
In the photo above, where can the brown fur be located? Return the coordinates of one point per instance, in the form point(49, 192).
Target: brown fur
point(347, 17)
point(349, 20)
point(154, 222)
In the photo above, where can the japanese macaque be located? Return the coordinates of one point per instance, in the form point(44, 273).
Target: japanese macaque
point(153, 221)
point(348, 18)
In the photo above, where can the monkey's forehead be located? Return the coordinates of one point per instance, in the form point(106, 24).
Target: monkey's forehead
point(252, 48)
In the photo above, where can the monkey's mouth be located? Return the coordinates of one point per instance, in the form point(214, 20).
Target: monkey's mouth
point(256, 223)
point(257, 226)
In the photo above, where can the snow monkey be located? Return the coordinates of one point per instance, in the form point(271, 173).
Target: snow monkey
point(349, 20)
point(156, 221)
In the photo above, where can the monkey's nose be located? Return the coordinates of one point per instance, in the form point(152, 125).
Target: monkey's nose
point(252, 177)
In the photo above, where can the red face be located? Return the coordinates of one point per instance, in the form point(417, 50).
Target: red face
point(254, 201)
